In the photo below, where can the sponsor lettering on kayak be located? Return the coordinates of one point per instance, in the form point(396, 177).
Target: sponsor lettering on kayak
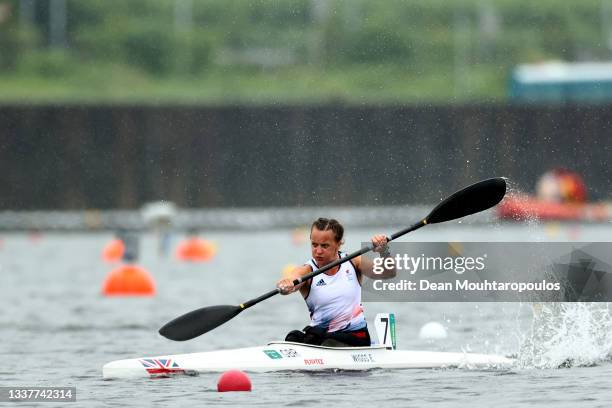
point(273, 354)
point(289, 353)
point(363, 358)
point(314, 361)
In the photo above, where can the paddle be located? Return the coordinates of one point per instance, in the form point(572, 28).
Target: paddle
point(475, 198)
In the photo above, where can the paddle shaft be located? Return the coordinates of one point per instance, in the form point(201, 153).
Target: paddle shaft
point(329, 266)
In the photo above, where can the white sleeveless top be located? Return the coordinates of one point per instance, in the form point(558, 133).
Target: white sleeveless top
point(335, 301)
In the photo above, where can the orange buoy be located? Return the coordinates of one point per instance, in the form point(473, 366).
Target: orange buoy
point(196, 250)
point(113, 251)
point(234, 380)
point(287, 269)
point(128, 280)
point(299, 236)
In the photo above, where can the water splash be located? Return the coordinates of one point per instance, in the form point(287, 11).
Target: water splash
point(514, 191)
point(567, 335)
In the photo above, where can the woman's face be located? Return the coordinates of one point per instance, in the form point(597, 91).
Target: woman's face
point(323, 246)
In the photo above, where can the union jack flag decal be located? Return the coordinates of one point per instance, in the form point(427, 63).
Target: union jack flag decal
point(161, 367)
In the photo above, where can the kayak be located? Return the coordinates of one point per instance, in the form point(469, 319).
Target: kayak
point(290, 356)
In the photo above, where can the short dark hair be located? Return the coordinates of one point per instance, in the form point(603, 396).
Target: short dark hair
point(324, 224)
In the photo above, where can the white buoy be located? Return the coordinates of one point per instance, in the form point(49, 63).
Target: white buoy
point(432, 331)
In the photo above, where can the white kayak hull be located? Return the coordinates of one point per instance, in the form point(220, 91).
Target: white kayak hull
point(285, 356)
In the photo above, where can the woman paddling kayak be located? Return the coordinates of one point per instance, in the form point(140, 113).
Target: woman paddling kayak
point(334, 297)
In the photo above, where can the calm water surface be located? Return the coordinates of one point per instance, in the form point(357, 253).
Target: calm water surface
point(57, 329)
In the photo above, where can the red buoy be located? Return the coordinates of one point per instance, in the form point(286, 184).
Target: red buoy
point(234, 380)
point(129, 280)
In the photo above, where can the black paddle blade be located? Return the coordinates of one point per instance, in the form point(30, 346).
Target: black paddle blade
point(475, 198)
point(198, 322)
